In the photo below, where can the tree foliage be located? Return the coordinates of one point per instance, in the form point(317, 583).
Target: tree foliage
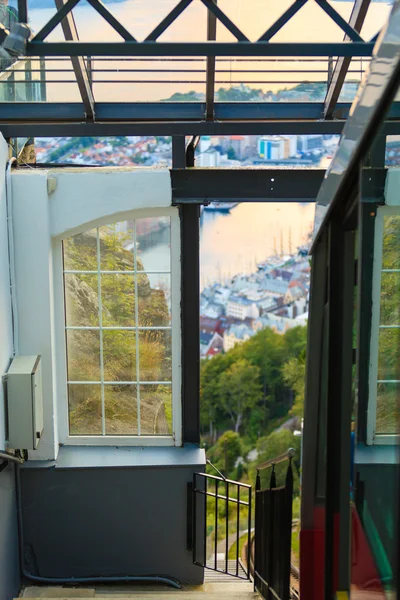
point(272, 446)
point(270, 395)
point(239, 390)
point(226, 452)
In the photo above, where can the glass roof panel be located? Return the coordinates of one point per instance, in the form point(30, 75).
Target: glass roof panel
point(149, 80)
point(179, 79)
point(271, 79)
point(106, 151)
point(309, 24)
point(377, 15)
point(299, 151)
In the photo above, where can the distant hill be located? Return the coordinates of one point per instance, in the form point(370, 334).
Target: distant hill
point(306, 91)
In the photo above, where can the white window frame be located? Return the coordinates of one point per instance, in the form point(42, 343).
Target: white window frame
point(175, 439)
point(372, 436)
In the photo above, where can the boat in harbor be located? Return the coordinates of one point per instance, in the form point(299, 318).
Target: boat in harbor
point(222, 207)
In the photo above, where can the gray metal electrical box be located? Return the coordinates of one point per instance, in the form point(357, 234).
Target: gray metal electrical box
point(25, 402)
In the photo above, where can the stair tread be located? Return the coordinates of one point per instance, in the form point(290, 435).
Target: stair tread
point(57, 592)
point(182, 594)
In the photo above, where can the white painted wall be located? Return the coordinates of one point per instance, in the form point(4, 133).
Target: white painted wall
point(82, 196)
point(50, 205)
point(34, 286)
point(5, 300)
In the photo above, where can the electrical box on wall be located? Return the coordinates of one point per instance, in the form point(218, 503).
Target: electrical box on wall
point(25, 402)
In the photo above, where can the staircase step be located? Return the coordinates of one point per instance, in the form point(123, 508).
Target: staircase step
point(232, 590)
point(57, 592)
point(181, 594)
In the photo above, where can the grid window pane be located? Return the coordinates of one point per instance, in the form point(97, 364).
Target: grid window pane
point(83, 356)
point(81, 299)
point(156, 409)
point(80, 251)
point(391, 242)
point(387, 409)
point(118, 300)
point(116, 247)
point(119, 355)
point(154, 297)
point(155, 361)
point(121, 409)
point(118, 329)
point(85, 409)
point(390, 298)
point(389, 348)
point(153, 238)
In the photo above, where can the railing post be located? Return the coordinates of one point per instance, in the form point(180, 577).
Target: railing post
point(271, 530)
point(257, 529)
point(287, 533)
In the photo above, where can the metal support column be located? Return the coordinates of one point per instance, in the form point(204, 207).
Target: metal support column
point(190, 294)
point(78, 64)
point(356, 21)
point(339, 408)
point(210, 76)
point(312, 417)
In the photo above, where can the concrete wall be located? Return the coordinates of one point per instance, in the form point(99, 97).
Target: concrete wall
point(9, 566)
point(91, 520)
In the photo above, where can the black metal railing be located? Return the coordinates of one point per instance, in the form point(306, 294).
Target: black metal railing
point(223, 507)
point(273, 532)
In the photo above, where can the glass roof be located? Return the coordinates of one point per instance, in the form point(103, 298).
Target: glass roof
point(184, 79)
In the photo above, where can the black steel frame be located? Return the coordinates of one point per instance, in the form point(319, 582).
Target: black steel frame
point(208, 486)
point(91, 118)
point(273, 532)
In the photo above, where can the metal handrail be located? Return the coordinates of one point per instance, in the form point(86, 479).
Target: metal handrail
point(215, 469)
point(11, 457)
point(275, 461)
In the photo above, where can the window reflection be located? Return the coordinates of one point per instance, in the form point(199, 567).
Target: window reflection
point(117, 282)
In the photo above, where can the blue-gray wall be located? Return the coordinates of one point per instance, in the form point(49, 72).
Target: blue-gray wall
point(9, 566)
point(82, 518)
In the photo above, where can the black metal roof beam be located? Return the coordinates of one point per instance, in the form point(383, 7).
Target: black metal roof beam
point(78, 64)
point(357, 18)
point(210, 73)
point(225, 20)
point(45, 128)
point(308, 112)
point(54, 21)
point(169, 19)
point(111, 20)
point(200, 186)
point(23, 11)
point(347, 28)
point(283, 19)
point(148, 49)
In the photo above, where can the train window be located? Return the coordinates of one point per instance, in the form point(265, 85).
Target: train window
point(384, 384)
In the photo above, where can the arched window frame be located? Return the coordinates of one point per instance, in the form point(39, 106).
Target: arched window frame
point(60, 339)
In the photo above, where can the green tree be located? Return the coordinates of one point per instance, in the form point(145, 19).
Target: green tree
point(239, 390)
point(226, 452)
point(294, 372)
point(272, 446)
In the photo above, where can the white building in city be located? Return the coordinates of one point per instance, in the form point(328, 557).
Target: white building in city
point(241, 308)
point(237, 334)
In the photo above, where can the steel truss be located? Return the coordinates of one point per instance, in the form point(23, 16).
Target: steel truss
point(169, 118)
